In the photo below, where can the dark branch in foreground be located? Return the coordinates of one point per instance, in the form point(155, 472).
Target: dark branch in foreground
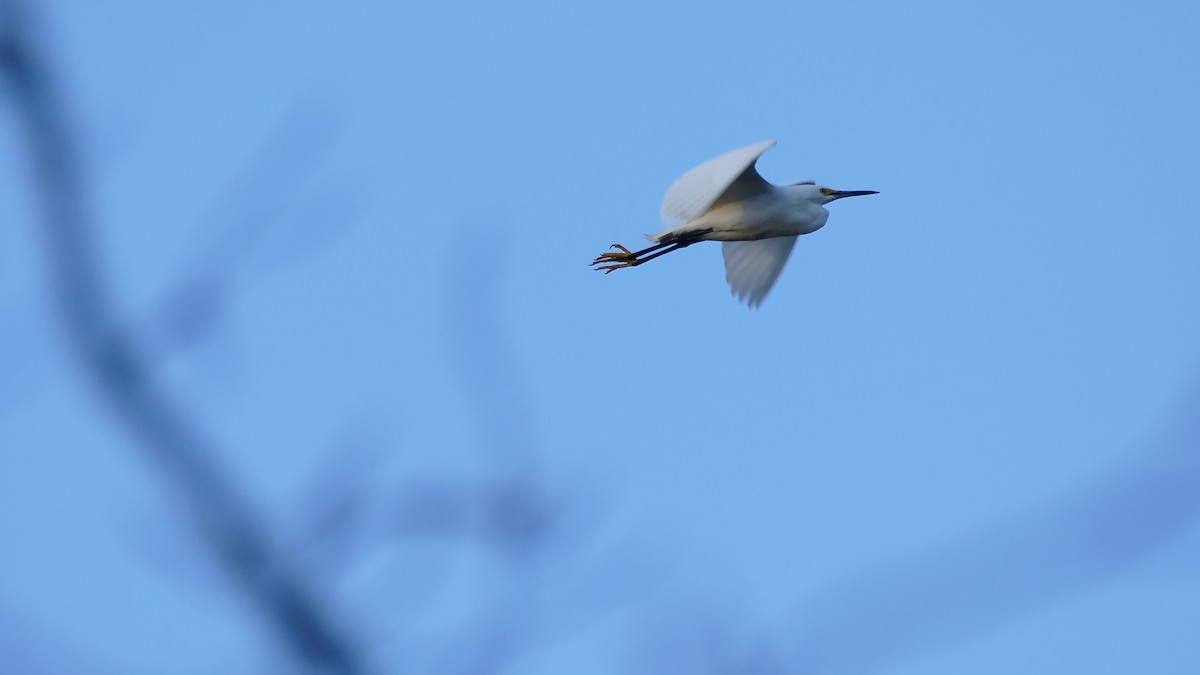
point(125, 381)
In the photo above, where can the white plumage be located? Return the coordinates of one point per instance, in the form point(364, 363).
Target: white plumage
point(725, 199)
point(751, 267)
point(692, 193)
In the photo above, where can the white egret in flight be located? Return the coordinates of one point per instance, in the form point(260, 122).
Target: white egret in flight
point(725, 200)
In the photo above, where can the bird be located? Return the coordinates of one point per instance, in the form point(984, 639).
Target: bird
point(726, 200)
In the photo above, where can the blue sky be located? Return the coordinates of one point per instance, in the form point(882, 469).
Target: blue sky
point(354, 239)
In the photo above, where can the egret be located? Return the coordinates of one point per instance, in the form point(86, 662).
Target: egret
point(726, 200)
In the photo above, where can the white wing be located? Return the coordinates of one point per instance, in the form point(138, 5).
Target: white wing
point(701, 187)
point(751, 267)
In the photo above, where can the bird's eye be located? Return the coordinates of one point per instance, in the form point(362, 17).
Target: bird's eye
point(827, 192)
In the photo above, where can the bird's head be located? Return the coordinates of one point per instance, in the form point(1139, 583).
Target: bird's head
point(822, 195)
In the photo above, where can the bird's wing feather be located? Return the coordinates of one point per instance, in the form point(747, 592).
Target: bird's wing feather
point(730, 176)
point(751, 267)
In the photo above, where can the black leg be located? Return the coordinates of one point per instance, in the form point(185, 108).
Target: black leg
point(623, 257)
point(623, 252)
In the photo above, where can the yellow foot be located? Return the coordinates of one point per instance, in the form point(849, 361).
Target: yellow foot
point(615, 260)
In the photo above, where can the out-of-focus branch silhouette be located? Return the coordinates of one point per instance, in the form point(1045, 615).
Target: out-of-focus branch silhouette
point(511, 508)
point(508, 509)
point(126, 383)
point(271, 216)
point(192, 307)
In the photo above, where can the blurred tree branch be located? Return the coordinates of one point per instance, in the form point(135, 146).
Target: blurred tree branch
point(124, 380)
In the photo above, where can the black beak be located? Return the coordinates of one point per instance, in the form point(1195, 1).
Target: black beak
point(838, 194)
